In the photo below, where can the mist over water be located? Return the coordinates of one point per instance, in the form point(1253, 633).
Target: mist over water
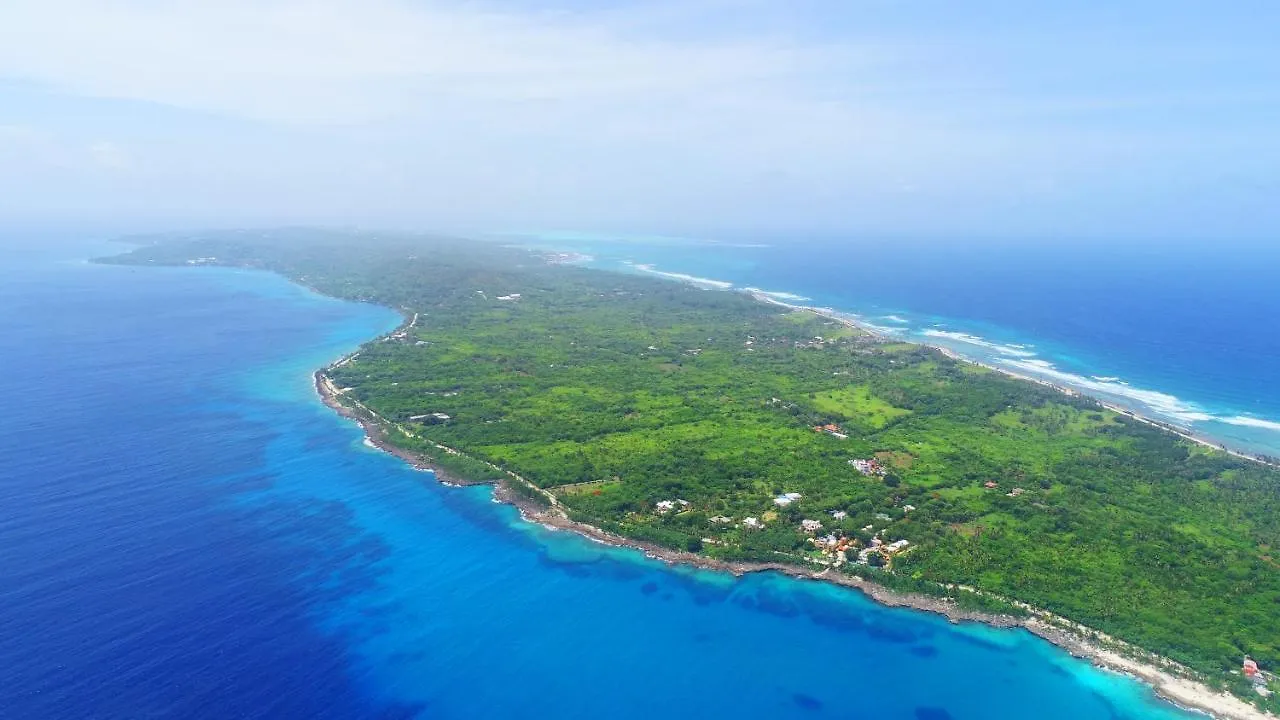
point(188, 532)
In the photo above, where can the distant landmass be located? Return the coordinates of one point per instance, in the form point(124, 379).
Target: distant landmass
point(733, 431)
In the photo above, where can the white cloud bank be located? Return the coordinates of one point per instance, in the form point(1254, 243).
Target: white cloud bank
point(351, 61)
point(497, 114)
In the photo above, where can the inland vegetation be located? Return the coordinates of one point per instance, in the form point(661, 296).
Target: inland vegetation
point(711, 422)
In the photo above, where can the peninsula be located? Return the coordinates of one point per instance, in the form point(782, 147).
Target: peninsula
point(711, 427)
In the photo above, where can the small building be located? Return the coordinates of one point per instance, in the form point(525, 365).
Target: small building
point(664, 506)
point(839, 514)
point(868, 466)
point(991, 484)
point(810, 526)
point(721, 520)
point(512, 296)
point(907, 508)
point(786, 499)
point(1015, 492)
point(1250, 667)
point(752, 523)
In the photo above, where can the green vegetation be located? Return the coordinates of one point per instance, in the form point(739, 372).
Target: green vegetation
point(617, 392)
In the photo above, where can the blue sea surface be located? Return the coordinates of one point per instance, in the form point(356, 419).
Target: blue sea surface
point(1185, 333)
point(187, 532)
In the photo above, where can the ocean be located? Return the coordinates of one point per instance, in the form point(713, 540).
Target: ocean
point(1182, 332)
point(187, 532)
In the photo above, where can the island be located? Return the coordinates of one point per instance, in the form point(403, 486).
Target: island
point(721, 429)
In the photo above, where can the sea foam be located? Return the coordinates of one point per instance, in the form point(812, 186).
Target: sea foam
point(1247, 421)
point(792, 297)
point(1160, 403)
point(691, 279)
point(1015, 351)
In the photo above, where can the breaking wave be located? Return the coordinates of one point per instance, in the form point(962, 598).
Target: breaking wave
point(790, 297)
point(1247, 421)
point(1013, 350)
point(1159, 403)
point(691, 279)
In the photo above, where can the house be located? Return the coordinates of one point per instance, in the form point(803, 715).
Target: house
point(786, 499)
point(810, 526)
point(1250, 667)
point(1015, 492)
point(664, 506)
point(753, 523)
point(839, 514)
point(721, 519)
point(512, 296)
point(868, 466)
point(907, 508)
point(897, 545)
point(991, 484)
point(430, 418)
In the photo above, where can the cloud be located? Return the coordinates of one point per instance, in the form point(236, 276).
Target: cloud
point(642, 114)
point(336, 61)
point(110, 156)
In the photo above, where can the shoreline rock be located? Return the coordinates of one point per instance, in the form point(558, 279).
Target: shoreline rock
point(1170, 682)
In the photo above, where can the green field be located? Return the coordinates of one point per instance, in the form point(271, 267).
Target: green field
point(623, 392)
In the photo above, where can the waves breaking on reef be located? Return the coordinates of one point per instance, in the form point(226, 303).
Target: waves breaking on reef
point(1013, 357)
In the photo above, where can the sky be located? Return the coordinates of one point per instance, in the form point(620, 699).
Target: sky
point(911, 117)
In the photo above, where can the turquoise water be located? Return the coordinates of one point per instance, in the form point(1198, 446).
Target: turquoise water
point(188, 532)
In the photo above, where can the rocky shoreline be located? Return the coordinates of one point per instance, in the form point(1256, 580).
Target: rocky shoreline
point(1167, 679)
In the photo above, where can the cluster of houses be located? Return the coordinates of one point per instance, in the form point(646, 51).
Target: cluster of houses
point(817, 342)
point(838, 546)
point(993, 485)
point(881, 548)
point(831, 429)
point(665, 506)
point(869, 467)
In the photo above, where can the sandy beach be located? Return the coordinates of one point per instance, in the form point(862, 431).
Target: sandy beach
point(849, 321)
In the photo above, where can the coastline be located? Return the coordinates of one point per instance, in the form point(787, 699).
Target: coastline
point(848, 321)
point(1167, 679)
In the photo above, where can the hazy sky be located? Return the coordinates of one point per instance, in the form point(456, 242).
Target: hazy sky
point(915, 117)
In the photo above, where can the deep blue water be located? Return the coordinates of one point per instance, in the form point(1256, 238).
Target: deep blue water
point(1188, 333)
point(186, 532)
